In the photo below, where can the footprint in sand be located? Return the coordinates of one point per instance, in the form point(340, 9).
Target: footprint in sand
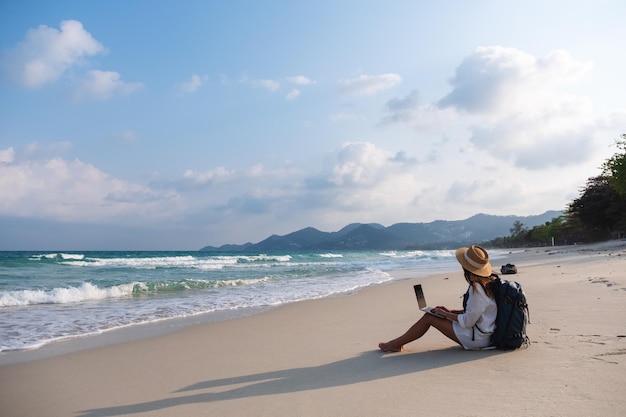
point(602, 281)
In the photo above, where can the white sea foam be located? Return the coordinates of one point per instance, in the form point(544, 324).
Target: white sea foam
point(86, 291)
point(44, 256)
point(194, 262)
point(89, 292)
point(418, 254)
point(262, 258)
point(72, 256)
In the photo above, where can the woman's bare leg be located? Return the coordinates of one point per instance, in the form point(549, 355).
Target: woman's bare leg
point(418, 330)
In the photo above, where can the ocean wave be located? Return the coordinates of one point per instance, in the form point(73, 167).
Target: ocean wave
point(419, 254)
point(265, 258)
point(85, 292)
point(90, 292)
point(192, 284)
point(331, 255)
point(141, 262)
point(74, 256)
point(44, 256)
point(53, 256)
point(187, 261)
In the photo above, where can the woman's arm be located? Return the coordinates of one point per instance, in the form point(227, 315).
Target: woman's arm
point(447, 314)
point(442, 308)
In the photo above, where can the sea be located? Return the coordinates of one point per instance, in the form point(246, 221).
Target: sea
point(51, 296)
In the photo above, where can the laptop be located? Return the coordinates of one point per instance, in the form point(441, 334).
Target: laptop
point(421, 301)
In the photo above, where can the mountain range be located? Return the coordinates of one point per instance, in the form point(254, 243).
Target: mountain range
point(439, 234)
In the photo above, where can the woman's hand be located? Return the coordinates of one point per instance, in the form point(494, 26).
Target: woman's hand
point(439, 310)
point(451, 315)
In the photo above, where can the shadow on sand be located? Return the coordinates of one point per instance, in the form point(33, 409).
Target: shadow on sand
point(367, 366)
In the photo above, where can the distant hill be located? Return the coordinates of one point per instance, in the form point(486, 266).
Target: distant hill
point(440, 234)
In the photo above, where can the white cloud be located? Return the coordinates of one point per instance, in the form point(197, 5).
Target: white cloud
point(499, 188)
point(102, 85)
point(402, 110)
point(498, 80)
point(242, 178)
point(524, 113)
point(293, 94)
point(359, 178)
point(424, 117)
point(535, 142)
point(364, 182)
point(269, 85)
point(7, 155)
point(475, 192)
point(300, 80)
point(127, 135)
point(47, 53)
point(516, 107)
point(256, 170)
point(358, 163)
point(274, 85)
point(365, 85)
point(360, 182)
point(614, 120)
point(192, 85)
point(75, 191)
point(217, 174)
point(362, 164)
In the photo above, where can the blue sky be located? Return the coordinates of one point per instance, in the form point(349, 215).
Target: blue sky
point(174, 125)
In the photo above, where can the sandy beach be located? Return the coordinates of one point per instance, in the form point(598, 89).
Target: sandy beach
point(320, 358)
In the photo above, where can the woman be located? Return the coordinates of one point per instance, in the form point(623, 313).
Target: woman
point(470, 327)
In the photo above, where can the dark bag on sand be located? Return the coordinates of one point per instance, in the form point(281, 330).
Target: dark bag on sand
point(508, 269)
point(513, 315)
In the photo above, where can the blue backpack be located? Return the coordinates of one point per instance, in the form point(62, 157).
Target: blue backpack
point(513, 315)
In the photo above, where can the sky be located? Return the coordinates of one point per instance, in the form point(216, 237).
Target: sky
point(159, 125)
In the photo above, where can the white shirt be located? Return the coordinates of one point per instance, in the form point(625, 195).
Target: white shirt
point(478, 321)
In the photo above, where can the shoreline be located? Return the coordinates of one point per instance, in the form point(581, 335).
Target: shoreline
point(126, 334)
point(165, 326)
point(171, 325)
point(319, 357)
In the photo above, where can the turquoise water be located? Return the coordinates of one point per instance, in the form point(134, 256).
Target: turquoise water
point(48, 296)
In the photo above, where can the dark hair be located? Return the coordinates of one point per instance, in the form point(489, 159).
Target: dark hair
point(484, 282)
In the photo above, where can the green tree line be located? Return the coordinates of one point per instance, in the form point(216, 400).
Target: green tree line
point(598, 214)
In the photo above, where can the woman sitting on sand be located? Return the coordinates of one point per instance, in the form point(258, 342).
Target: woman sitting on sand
point(471, 327)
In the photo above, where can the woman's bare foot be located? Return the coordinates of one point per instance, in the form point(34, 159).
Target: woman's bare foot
point(389, 347)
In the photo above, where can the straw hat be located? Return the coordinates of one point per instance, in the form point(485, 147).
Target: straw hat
point(475, 259)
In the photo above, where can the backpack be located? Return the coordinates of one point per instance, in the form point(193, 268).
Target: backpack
point(508, 269)
point(513, 315)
